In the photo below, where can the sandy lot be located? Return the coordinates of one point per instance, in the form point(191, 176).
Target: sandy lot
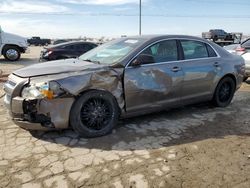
point(193, 146)
point(26, 59)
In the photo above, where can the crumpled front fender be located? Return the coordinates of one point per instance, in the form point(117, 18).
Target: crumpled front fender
point(107, 79)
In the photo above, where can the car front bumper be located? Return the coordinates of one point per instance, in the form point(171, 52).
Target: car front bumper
point(40, 114)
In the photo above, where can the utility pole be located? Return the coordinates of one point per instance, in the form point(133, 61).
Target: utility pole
point(140, 18)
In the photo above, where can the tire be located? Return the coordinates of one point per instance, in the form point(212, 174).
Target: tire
point(11, 53)
point(88, 118)
point(224, 92)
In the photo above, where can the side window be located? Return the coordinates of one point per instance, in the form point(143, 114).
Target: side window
point(194, 49)
point(211, 52)
point(163, 51)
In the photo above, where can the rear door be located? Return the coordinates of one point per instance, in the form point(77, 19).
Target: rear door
point(156, 84)
point(200, 67)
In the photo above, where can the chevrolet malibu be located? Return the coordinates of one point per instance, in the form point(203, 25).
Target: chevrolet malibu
point(123, 78)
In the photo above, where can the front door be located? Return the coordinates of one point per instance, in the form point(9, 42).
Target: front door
point(156, 84)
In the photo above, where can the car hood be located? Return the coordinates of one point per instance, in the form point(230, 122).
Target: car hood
point(56, 67)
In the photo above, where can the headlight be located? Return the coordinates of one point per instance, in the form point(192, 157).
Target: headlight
point(48, 90)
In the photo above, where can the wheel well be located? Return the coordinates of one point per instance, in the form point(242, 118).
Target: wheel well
point(227, 75)
point(12, 45)
point(231, 76)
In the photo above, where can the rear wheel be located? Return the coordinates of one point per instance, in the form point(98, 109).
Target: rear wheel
point(94, 114)
point(11, 53)
point(224, 92)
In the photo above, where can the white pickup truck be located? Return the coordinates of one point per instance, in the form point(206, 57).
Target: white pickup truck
point(11, 46)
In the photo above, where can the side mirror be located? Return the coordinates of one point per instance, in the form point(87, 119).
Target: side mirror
point(143, 59)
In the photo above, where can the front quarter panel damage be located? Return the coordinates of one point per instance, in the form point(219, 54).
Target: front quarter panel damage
point(107, 79)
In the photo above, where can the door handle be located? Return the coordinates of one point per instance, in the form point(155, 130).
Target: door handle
point(176, 69)
point(216, 64)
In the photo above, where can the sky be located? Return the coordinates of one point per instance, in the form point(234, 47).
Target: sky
point(113, 18)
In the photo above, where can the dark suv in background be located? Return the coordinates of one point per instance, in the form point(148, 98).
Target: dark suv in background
point(66, 50)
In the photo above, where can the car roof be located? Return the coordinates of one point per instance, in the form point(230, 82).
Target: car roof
point(159, 37)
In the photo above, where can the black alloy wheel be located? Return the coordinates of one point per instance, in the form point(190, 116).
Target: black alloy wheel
point(224, 92)
point(94, 114)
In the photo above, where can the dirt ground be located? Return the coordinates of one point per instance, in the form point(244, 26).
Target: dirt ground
point(193, 146)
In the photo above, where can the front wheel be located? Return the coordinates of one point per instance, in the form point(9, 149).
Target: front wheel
point(224, 92)
point(11, 53)
point(94, 114)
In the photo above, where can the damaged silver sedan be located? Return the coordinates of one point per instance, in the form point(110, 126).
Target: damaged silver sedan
point(123, 78)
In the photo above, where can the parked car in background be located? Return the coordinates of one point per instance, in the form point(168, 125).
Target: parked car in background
point(37, 41)
point(242, 49)
point(11, 45)
point(66, 50)
point(123, 78)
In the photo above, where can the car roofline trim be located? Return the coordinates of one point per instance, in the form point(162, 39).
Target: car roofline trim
point(177, 38)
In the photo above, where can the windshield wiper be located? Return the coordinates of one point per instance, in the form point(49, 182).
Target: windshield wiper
point(89, 60)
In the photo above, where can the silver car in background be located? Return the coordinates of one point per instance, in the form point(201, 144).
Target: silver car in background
point(123, 78)
point(243, 50)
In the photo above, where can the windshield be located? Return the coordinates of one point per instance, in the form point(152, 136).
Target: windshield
point(112, 52)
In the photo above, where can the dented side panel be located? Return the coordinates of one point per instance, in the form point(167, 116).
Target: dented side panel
point(152, 86)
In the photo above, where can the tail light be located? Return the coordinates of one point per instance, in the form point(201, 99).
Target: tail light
point(47, 53)
point(50, 52)
point(240, 50)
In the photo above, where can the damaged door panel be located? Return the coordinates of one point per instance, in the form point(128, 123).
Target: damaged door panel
point(152, 86)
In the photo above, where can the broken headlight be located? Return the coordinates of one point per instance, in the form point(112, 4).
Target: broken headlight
point(48, 90)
